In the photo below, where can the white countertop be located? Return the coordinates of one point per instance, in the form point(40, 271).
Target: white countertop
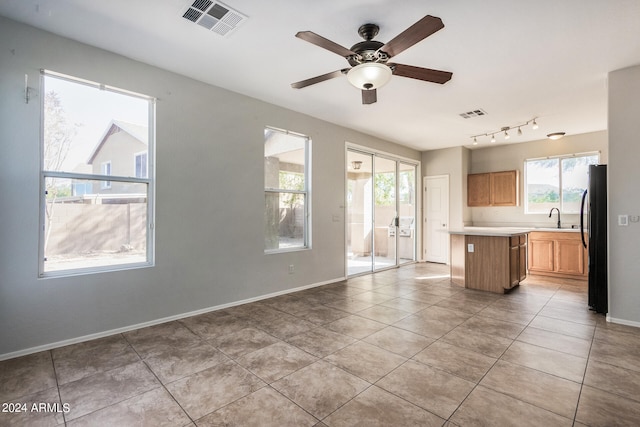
point(506, 231)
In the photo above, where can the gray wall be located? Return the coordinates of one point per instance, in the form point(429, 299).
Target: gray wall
point(209, 198)
point(512, 156)
point(623, 176)
point(455, 163)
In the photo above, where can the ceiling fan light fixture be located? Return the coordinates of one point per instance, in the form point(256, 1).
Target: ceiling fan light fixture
point(369, 75)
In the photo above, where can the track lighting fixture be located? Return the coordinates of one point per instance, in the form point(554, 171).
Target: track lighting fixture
point(505, 130)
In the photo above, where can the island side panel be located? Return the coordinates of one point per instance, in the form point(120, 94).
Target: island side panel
point(487, 267)
point(458, 249)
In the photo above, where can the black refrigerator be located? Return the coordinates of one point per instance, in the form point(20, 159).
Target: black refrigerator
point(596, 197)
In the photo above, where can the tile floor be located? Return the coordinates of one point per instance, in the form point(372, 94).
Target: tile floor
point(398, 348)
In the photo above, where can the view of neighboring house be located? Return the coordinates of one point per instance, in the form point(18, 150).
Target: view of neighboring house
point(122, 151)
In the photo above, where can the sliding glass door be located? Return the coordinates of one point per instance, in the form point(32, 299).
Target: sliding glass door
point(381, 211)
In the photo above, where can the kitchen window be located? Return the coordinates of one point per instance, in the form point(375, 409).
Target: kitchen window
point(96, 205)
point(557, 182)
point(286, 176)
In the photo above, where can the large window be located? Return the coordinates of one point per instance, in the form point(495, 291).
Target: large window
point(557, 182)
point(96, 177)
point(286, 182)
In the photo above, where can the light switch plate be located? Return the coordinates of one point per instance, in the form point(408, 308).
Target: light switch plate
point(470, 247)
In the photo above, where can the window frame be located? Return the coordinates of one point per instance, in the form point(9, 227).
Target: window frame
point(306, 192)
point(105, 168)
point(135, 163)
point(149, 181)
point(560, 158)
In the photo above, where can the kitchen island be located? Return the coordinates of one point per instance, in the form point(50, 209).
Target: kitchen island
point(490, 259)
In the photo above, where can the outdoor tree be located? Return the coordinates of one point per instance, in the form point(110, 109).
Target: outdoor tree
point(58, 136)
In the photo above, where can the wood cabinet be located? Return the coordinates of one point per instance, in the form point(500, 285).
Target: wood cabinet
point(493, 189)
point(488, 263)
point(558, 254)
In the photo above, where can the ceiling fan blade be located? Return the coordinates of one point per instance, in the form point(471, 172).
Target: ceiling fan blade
point(318, 79)
point(412, 35)
point(369, 96)
point(324, 43)
point(419, 73)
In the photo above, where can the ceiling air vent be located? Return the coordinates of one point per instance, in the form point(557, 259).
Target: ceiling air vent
point(214, 16)
point(474, 113)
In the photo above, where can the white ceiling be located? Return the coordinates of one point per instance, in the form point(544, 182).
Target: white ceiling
point(514, 59)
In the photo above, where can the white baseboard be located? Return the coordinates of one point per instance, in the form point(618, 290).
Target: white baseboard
point(623, 321)
point(103, 334)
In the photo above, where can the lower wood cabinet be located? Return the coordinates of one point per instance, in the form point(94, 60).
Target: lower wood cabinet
point(558, 254)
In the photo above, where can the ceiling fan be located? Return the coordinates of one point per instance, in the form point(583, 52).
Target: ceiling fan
point(370, 68)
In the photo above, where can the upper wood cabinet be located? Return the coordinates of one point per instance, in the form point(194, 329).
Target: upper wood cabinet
point(493, 189)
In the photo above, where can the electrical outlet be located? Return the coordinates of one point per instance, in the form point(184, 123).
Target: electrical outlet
point(292, 269)
point(470, 247)
point(634, 218)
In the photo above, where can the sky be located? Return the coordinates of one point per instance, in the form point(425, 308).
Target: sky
point(93, 109)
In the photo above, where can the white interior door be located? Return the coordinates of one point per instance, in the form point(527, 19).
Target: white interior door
point(436, 211)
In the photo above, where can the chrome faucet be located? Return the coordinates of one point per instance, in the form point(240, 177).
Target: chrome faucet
point(551, 212)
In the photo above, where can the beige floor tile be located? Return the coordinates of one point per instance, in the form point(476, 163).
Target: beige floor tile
point(176, 363)
point(405, 304)
point(159, 338)
point(429, 388)
point(321, 342)
point(395, 290)
point(613, 379)
point(555, 341)
point(376, 407)
point(425, 297)
point(399, 341)
point(373, 297)
point(322, 314)
point(26, 375)
point(546, 360)
point(153, 408)
point(349, 305)
point(214, 324)
point(366, 361)
point(202, 393)
point(106, 388)
point(598, 408)
point(459, 361)
point(81, 360)
point(26, 416)
point(465, 303)
point(520, 317)
point(489, 345)
point(275, 361)
point(583, 316)
point(320, 388)
point(285, 326)
point(621, 355)
point(384, 314)
point(355, 326)
point(485, 407)
point(263, 408)
point(617, 337)
point(491, 326)
point(244, 341)
point(563, 327)
point(543, 390)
